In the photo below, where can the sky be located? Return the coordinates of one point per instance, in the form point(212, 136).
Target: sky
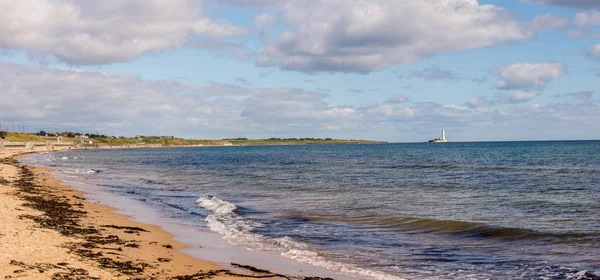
point(392, 70)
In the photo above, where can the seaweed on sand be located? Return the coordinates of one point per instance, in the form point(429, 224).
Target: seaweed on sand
point(58, 213)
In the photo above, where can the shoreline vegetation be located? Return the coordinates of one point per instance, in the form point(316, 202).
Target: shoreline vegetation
point(17, 140)
point(50, 231)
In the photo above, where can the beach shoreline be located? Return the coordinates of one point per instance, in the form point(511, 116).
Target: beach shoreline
point(51, 231)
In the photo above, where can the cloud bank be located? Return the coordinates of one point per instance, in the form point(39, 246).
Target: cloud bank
point(102, 32)
point(527, 75)
point(126, 104)
point(363, 36)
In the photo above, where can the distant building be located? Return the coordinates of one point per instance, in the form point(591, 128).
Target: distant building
point(441, 139)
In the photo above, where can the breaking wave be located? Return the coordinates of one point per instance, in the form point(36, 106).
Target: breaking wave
point(88, 171)
point(237, 230)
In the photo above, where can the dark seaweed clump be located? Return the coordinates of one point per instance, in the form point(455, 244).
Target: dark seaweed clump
point(127, 229)
point(58, 214)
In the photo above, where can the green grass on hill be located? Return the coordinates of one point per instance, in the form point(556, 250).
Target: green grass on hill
point(23, 137)
point(241, 141)
point(166, 142)
point(297, 141)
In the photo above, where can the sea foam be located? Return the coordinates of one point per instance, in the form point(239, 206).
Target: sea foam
point(88, 171)
point(237, 230)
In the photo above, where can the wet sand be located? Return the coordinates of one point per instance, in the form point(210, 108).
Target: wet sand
point(49, 231)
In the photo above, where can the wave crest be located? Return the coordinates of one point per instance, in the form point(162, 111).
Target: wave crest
point(238, 230)
point(450, 227)
point(216, 205)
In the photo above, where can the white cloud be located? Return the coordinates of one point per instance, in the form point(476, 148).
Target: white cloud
point(88, 100)
point(274, 104)
point(48, 98)
point(519, 97)
point(263, 23)
point(476, 102)
point(100, 32)
point(587, 19)
point(527, 75)
point(548, 22)
point(362, 36)
point(433, 73)
point(594, 52)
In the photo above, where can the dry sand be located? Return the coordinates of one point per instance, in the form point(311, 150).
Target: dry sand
point(48, 231)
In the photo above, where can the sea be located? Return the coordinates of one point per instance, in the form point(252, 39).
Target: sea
point(483, 210)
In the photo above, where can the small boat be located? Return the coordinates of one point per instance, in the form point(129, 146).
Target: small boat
point(441, 139)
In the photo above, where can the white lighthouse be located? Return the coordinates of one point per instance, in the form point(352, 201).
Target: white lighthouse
point(441, 139)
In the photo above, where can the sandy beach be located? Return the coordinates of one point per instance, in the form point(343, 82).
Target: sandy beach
point(49, 231)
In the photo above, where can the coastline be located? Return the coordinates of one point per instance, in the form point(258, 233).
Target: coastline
point(51, 231)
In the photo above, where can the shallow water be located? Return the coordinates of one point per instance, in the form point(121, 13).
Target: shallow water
point(503, 210)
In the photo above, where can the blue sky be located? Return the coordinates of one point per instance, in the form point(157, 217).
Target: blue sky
point(370, 69)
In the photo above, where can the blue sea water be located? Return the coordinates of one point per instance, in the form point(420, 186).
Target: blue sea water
point(488, 210)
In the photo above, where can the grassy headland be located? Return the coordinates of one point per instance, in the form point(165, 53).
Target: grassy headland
point(23, 137)
point(171, 141)
point(298, 141)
